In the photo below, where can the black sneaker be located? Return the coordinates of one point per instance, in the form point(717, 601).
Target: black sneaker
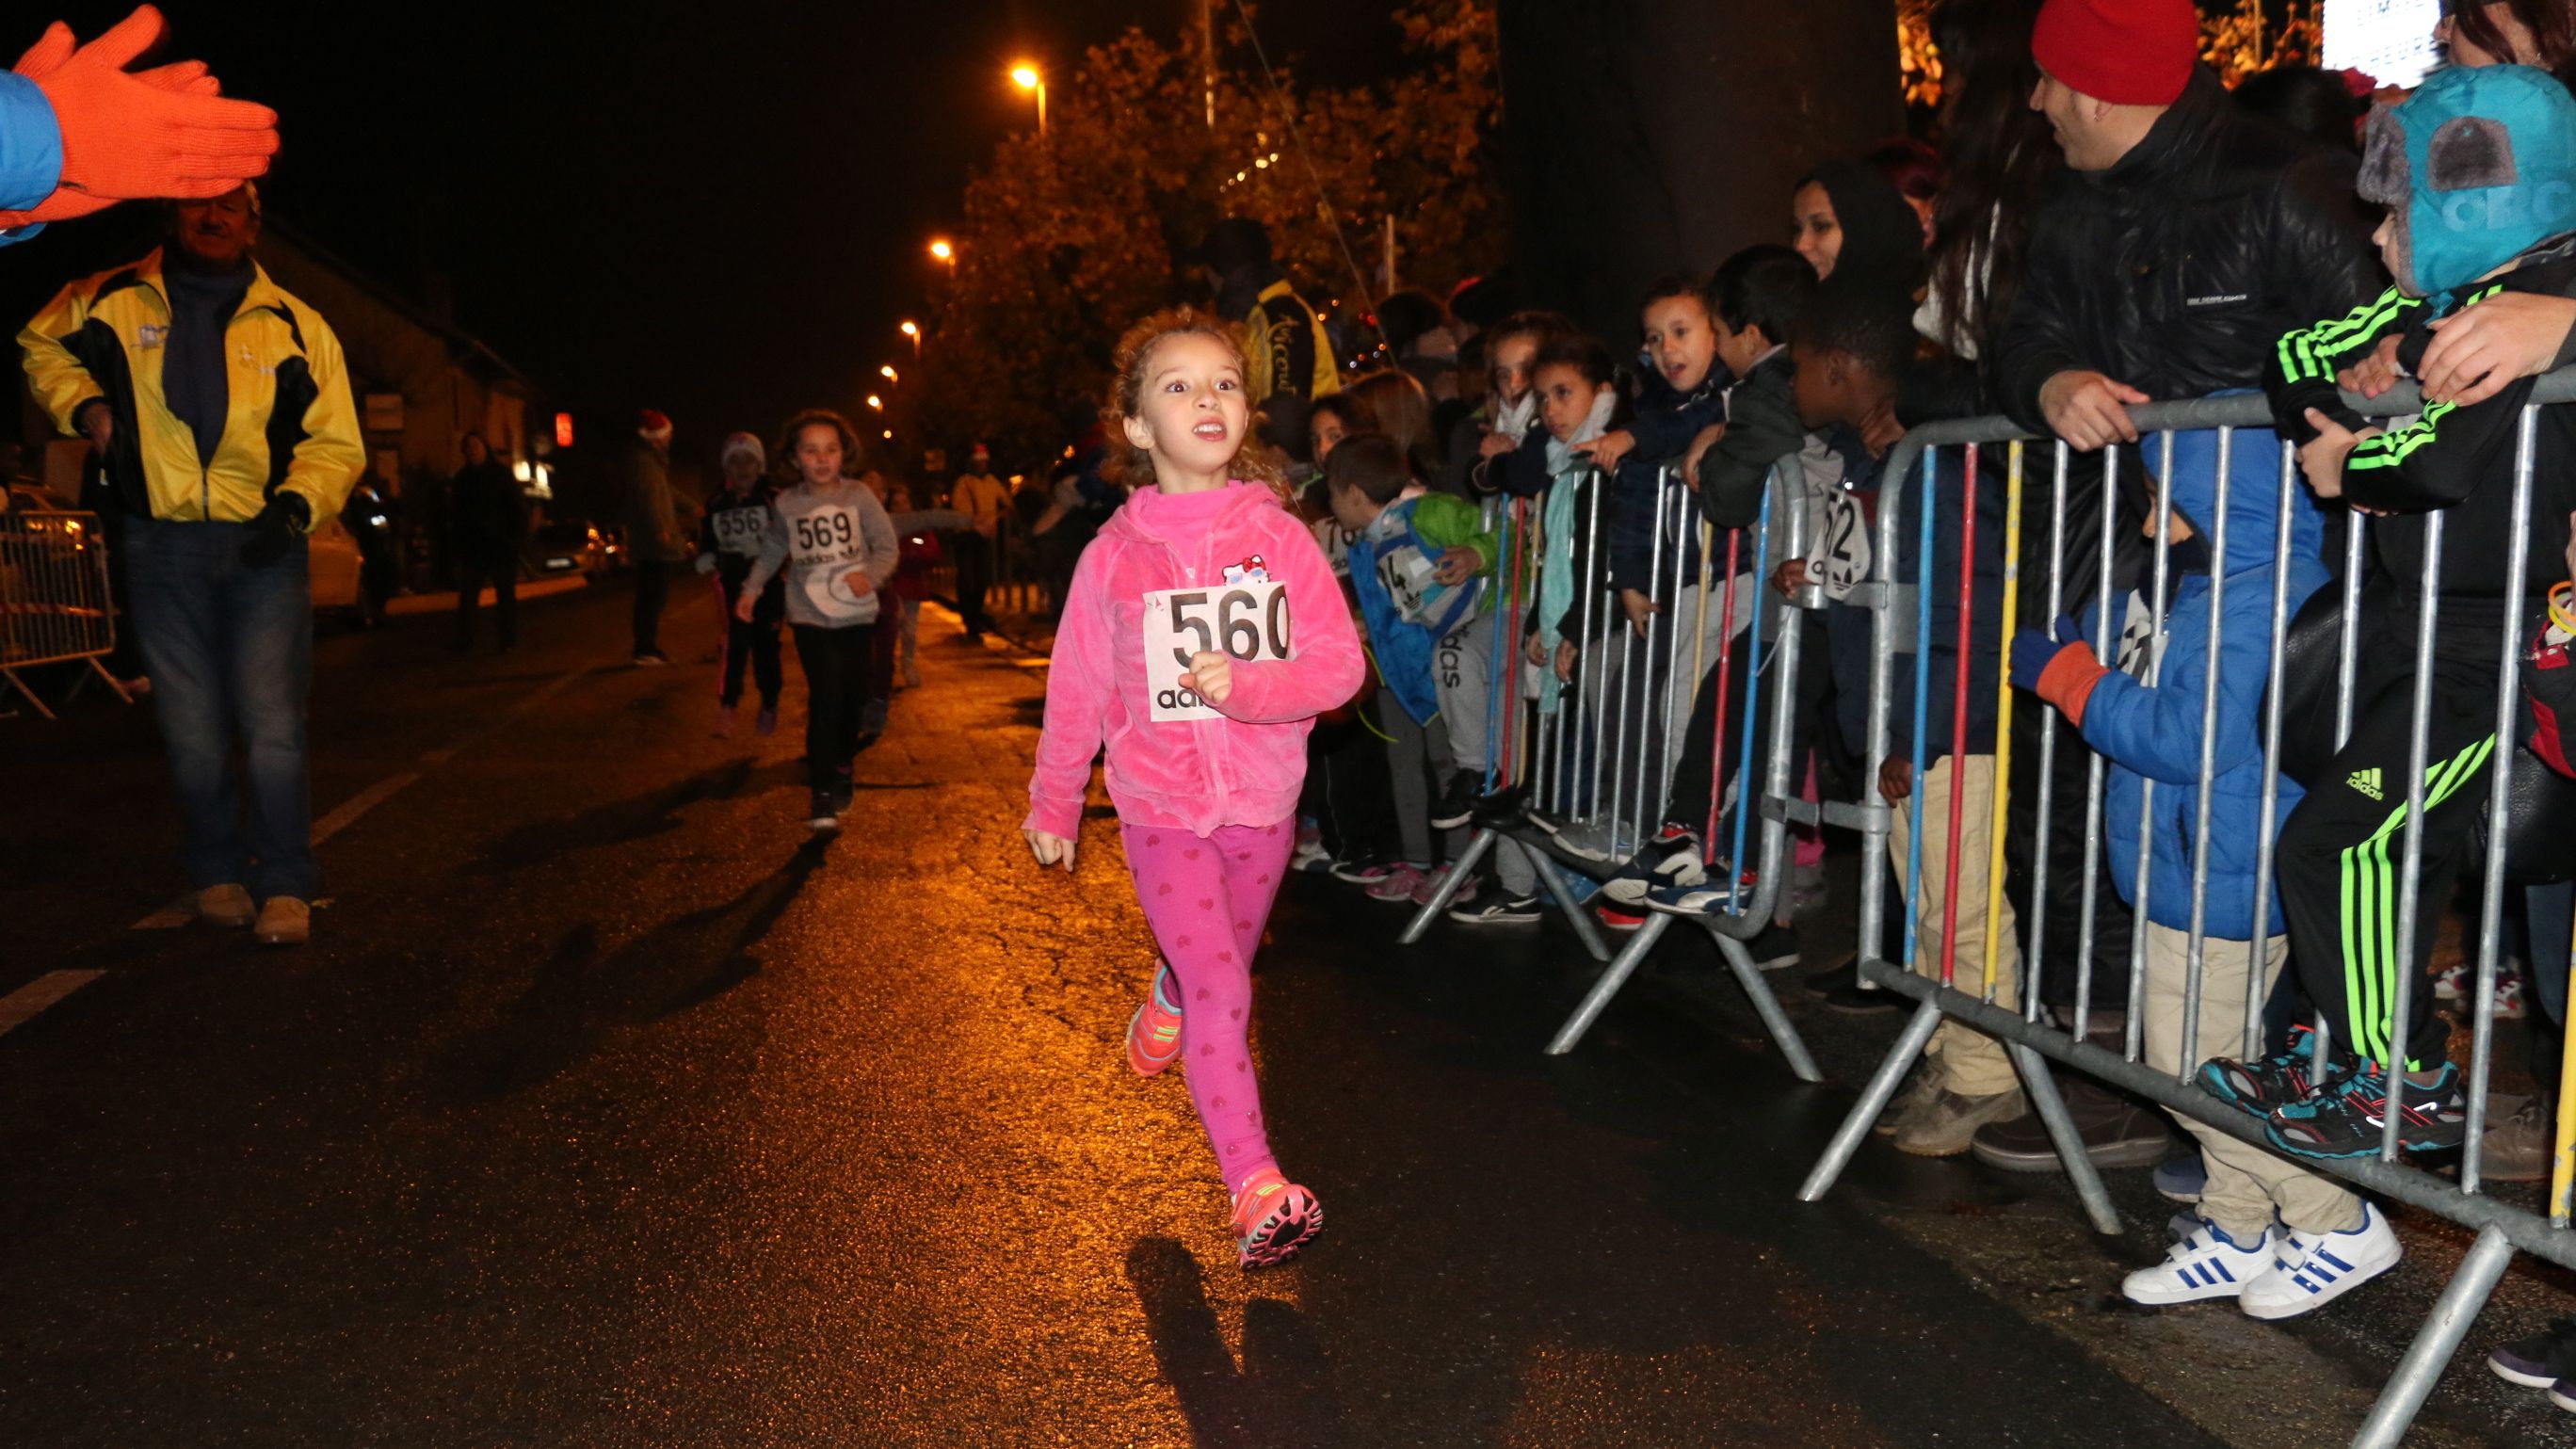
point(1497, 910)
point(1672, 858)
point(1776, 949)
point(1361, 868)
point(2257, 1087)
point(1457, 803)
point(2344, 1120)
point(824, 813)
point(2540, 1360)
point(1503, 809)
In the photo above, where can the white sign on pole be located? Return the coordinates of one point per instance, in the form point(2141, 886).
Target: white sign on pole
point(2390, 41)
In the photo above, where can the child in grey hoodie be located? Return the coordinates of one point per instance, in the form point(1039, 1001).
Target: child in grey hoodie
point(833, 539)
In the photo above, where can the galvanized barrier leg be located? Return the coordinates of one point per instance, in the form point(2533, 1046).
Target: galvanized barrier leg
point(1767, 1006)
point(2440, 1337)
point(1575, 915)
point(2044, 1099)
point(1873, 1100)
point(1612, 978)
point(11, 675)
point(1464, 867)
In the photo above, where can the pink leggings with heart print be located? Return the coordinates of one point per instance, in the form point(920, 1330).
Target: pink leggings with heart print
point(1206, 899)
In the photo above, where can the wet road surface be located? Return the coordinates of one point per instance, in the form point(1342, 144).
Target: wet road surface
point(609, 1109)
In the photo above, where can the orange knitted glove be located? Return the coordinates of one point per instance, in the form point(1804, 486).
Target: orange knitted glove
point(163, 132)
point(2068, 680)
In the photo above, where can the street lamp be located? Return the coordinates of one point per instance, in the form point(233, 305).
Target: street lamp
point(941, 250)
point(887, 372)
point(1027, 78)
point(913, 331)
point(876, 402)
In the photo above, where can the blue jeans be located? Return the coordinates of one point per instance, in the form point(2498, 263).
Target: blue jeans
point(230, 651)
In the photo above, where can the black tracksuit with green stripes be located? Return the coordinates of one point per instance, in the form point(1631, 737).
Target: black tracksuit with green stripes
point(2343, 849)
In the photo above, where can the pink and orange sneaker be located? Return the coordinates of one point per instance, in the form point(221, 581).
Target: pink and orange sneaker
point(1273, 1218)
point(1154, 1033)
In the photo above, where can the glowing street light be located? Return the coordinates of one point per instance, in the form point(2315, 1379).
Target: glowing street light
point(912, 330)
point(1027, 78)
point(876, 402)
point(887, 372)
point(941, 250)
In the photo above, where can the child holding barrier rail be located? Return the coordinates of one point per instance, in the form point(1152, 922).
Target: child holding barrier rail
point(2477, 172)
point(1852, 345)
point(2145, 718)
point(1757, 296)
point(1202, 633)
point(1422, 563)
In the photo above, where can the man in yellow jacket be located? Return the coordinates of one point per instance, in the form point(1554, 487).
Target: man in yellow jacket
point(221, 415)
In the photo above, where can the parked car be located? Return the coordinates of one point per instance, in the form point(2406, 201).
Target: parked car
point(335, 569)
point(567, 547)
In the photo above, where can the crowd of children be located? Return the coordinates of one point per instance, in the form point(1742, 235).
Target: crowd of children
point(1568, 531)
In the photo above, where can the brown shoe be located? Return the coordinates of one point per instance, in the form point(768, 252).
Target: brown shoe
point(284, 921)
point(1946, 1124)
point(2117, 1132)
point(1913, 1097)
point(2517, 1148)
point(225, 905)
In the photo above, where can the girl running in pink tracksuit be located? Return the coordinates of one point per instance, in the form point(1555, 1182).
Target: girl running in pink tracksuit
point(1201, 636)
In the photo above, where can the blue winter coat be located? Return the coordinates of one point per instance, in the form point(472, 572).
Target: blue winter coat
point(31, 151)
point(2154, 734)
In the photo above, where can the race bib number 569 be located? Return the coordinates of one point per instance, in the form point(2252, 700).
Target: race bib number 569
point(1245, 621)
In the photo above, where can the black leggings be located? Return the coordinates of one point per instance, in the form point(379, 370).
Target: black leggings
point(755, 644)
point(499, 567)
point(838, 663)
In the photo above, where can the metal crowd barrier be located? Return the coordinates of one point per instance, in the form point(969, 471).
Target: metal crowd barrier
point(2500, 1226)
point(54, 605)
point(1601, 759)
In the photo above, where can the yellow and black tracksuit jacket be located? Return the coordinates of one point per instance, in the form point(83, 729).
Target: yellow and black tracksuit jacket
point(290, 423)
point(1288, 349)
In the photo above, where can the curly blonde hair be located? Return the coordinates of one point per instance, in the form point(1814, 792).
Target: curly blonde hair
point(1131, 466)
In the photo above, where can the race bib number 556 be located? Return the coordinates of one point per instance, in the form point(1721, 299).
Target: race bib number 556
point(1245, 621)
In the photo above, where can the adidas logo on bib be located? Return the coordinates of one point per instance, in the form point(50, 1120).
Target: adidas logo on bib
point(2366, 781)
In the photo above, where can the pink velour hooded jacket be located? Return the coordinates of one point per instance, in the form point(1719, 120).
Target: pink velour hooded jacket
point(1243, 769)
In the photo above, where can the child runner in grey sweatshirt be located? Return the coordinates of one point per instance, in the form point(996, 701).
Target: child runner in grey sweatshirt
point(837, 548)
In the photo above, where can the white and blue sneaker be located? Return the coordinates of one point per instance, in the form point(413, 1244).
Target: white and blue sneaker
point(1707, 898)
point(2205, 1264)
point(2315, 1269)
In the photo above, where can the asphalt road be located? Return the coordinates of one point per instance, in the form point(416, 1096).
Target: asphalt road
point(608, 1109)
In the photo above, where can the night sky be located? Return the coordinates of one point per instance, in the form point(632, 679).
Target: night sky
point(714, 208)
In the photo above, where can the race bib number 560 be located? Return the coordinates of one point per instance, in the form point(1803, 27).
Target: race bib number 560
point(1245, 621)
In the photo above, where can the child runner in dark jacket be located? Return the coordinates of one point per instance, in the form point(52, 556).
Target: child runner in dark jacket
point(736, 519)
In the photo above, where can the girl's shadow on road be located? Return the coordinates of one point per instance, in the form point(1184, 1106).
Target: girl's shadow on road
point(1280, 1395)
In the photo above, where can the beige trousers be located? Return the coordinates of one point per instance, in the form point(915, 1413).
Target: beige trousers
point(1970, 1063)
point(2245, 1182)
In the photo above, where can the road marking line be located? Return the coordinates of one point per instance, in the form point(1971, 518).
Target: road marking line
point(170, 917)
point(359, 804)
point(20, 1006)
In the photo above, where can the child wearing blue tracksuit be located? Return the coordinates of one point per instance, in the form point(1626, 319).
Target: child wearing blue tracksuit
point(2143, 714)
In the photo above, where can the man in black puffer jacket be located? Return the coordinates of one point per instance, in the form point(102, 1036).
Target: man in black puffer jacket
point(2184, 237)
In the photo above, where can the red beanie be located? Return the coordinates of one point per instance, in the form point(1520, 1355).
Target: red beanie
point(2126, 52)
